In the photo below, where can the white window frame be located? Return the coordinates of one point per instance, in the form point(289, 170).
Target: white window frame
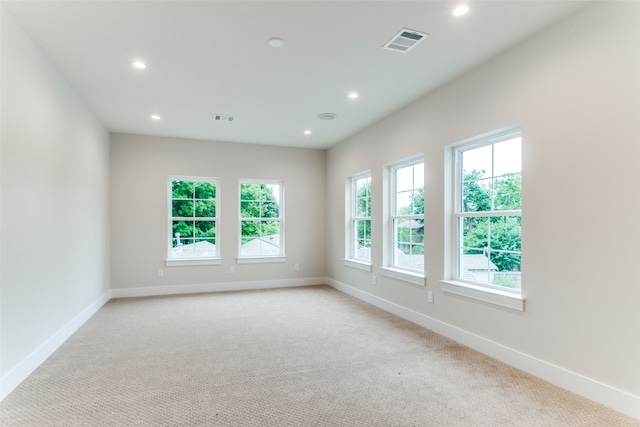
point(391, 268)
point(172, 261)
point(263, 258)
point(351, 254)
point(454, 284)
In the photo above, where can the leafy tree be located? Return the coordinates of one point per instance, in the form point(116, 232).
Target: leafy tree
point(497, 233)
point(194, 200)
point(257, 204)
point(363, 209)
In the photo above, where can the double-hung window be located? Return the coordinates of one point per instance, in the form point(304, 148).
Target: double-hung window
point(404, 256)
point(487, 216)
point(261, 221)
point(193, 220)
point(359, 221)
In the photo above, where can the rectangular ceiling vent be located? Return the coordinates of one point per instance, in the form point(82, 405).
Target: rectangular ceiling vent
point(405, 40)
point(223, 118)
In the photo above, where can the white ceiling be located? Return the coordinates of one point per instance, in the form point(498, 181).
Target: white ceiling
point(211, 57)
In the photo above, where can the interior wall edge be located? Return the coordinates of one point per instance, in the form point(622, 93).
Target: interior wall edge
point(22, 370)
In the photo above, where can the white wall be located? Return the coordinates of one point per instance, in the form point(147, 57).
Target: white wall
point(140, 167)
point(575, 88)
point(54, 213)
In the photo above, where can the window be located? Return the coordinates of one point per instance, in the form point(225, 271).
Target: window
point(359, 224)
point(407, 215)
point(261, 221)
point(193, 218)
point(487, 219)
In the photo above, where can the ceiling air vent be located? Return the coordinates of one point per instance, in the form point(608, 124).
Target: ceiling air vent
point(222, 118)
point(405, 40)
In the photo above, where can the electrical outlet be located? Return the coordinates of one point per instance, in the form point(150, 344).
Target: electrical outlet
point(296, 266)
point(374, 280)
point(232, 269)
point(160, 272)
point(430, 297)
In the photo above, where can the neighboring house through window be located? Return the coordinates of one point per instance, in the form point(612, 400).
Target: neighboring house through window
point(193, 219)
point(405, 252)
point(487, 216)
point(261, 221)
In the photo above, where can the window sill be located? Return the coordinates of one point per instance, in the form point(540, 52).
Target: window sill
point(491, 296)
point(182, 262)
point(260, 260)
point(354, 263)
point(406, 276)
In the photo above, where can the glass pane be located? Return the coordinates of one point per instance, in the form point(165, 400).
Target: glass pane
point(404, 179)
point(272, 192)
point(417, 199)
point(403, 203)
point(403, 233)
point(204, 248)
point(250, 230)
point(478, 160)
point(418, 176)
point(476, 193)
point(182, 208)
point(205, 190)
point(505, 270)
point(271, 228)
point(363, 208)
point(363, 187)
point(270, 210)
point(205, 208)
point(417, 231)
point(474, 265)
point(505, 232)
point(205, 229)
point(507, 157)
point(507, 193)
point(182, 229)
point(183, 248)
point(475, 232)
point(249, 209)
point(181, 190)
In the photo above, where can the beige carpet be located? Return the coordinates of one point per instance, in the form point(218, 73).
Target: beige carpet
point(287, 357)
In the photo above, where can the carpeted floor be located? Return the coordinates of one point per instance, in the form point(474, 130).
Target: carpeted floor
point(308, 356)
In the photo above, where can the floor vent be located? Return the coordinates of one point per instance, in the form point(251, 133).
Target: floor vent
point(221, 118)
point(405, 40)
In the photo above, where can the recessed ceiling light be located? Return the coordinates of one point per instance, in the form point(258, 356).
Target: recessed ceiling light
point(327, 116)
point(307, 132)
point(155, 117)
point(275, 42)
point(353, 95)
point(140, 65)
point(460, 10)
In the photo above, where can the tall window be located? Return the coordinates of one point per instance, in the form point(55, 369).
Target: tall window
point(261, 219)
point(407, 215)
point(360, 224)
point(487, 211)
point(193, 218)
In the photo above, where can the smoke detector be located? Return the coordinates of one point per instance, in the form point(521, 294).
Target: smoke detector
point(405, 40)
point(223, 118)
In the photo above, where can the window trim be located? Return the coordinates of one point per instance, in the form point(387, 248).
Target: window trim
point(453, 284)
point(389, 269)
point(190, 261)
point(351, 259)
point(256, 259)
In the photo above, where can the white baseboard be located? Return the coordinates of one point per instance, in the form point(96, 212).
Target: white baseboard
point(22, 370)
point(611, 397)
point(215, 287)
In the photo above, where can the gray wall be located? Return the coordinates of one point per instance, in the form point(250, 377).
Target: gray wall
point(575, 88)
point(54, 212)
point(140, 167)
